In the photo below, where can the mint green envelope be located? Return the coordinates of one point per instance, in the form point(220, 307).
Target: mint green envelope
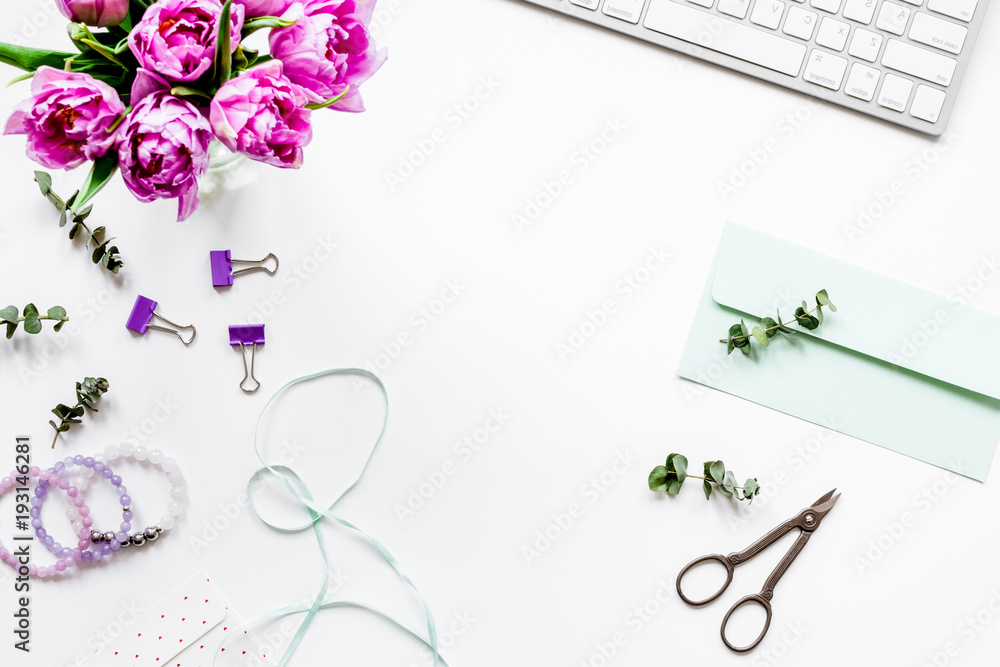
point(896, 365)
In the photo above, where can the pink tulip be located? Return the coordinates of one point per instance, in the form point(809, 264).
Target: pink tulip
point(262, 114)
point(67, 119)
point(328, 50)
point(100, 13)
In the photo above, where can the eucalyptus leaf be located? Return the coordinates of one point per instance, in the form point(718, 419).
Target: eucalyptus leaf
point(717, 471)
point(678, 465)
point(658, 479)
point(9, 314)
point(760, 335)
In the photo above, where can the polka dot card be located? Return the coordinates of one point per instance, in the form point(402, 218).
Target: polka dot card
point(185, 629)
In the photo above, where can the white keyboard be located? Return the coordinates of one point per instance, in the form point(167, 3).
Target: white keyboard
point(900, 60)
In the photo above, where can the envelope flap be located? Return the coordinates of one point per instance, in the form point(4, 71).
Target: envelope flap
point(880, 317)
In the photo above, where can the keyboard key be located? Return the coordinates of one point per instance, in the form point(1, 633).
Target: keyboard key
point(918, 62)
point(927, 103)
point(626, 10)
point(800, 23)
point(932, 31)
point(865, 45)
point(728, 37)
point(892, 18)
point(589, 4)
point(767, 13)
point(832, 6)
point(895, 92)
point(737, 8)
point(703, 3)
point(861, 11)
point(915, 2)
point(825, 69)
point(862, 81)
point(832, 33)
point(956, 9)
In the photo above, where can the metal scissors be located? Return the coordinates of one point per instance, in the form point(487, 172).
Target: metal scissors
point(807, 521)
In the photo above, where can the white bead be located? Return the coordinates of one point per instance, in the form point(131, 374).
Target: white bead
point(167, 522)
point(81, 483)
point(127, 449)
point(71, 512)
point(175, 508)
point(177, 493)
point(155, 457)
point(77, 527)
point(175, 479)
point(169, 465)
point(86, 472)
point(112, 453)
point(141, 453)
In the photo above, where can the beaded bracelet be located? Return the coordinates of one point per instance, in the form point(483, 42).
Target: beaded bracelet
point(53, 478)
point(155, 457)
point(67, 557)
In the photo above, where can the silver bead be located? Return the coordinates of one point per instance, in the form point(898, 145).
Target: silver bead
point(151, 534)
point(126, 543)
point(138, 539)
point(158, 528)
point(126, 508)
point(109, 536)
point(96, 536)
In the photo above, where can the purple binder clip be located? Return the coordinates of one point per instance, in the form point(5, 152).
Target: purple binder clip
point(246, 335)
point(142, 315)
point(222, 266)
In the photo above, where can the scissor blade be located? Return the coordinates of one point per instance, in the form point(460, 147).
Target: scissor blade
point(822, 508)
point(825, 497)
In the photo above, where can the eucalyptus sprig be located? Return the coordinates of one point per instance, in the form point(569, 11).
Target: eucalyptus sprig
point(88, 393)
point(104, 253)
point(740, 336)
point(670, 477)
point(32, 318)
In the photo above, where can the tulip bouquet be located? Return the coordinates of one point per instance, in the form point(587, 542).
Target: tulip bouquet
point(154, 82)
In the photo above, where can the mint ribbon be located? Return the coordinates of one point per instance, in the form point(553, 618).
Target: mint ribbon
point(301, 492)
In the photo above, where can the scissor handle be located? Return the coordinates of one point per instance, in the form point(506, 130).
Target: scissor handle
point(698, 561)
point(755, 599)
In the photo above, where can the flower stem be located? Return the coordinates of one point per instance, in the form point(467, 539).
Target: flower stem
point(776, 326)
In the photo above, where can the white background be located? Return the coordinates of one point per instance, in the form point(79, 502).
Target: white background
point(555, 86)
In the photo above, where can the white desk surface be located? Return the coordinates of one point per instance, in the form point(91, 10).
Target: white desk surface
point(864, 591)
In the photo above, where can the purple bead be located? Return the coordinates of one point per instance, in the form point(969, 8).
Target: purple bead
point(87, 556)
point(126, 526)
point(89, 462)
point(39, 491)
point(36, 502)
point(127, 515)
point(59, 466)
point(48, 540)
point(66, 552)
point(98, 466)
point(36, 523)
point(97, 555)
point(106, 473)
point(106, 549)
point(122, 489)
point(125, 500)
point(78, 460)
point(116, 480)
point(121, 536)
point(41, 533)
point(35, 512)
point(116, 545)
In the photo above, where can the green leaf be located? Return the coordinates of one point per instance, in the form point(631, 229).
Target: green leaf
point(11, 328)
point(760, 335)
point(57, 313)
point(32, 324)
point(744, 330)
point(716, 470)
point(823, 299)
point(730, 347)
point(770, 327)
point(99, 176)
point(707, 487)
point(315, 106)
point(678, 465)
point(250, 26)
point(658, 479)
point(751, 488)
point(29, 59)
point(729, 483)
point(819, 313)
point(187, 91)
point(44, 182)
point(674, 487)
point(745, 348)
point(9, 314)
point(224, 46)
